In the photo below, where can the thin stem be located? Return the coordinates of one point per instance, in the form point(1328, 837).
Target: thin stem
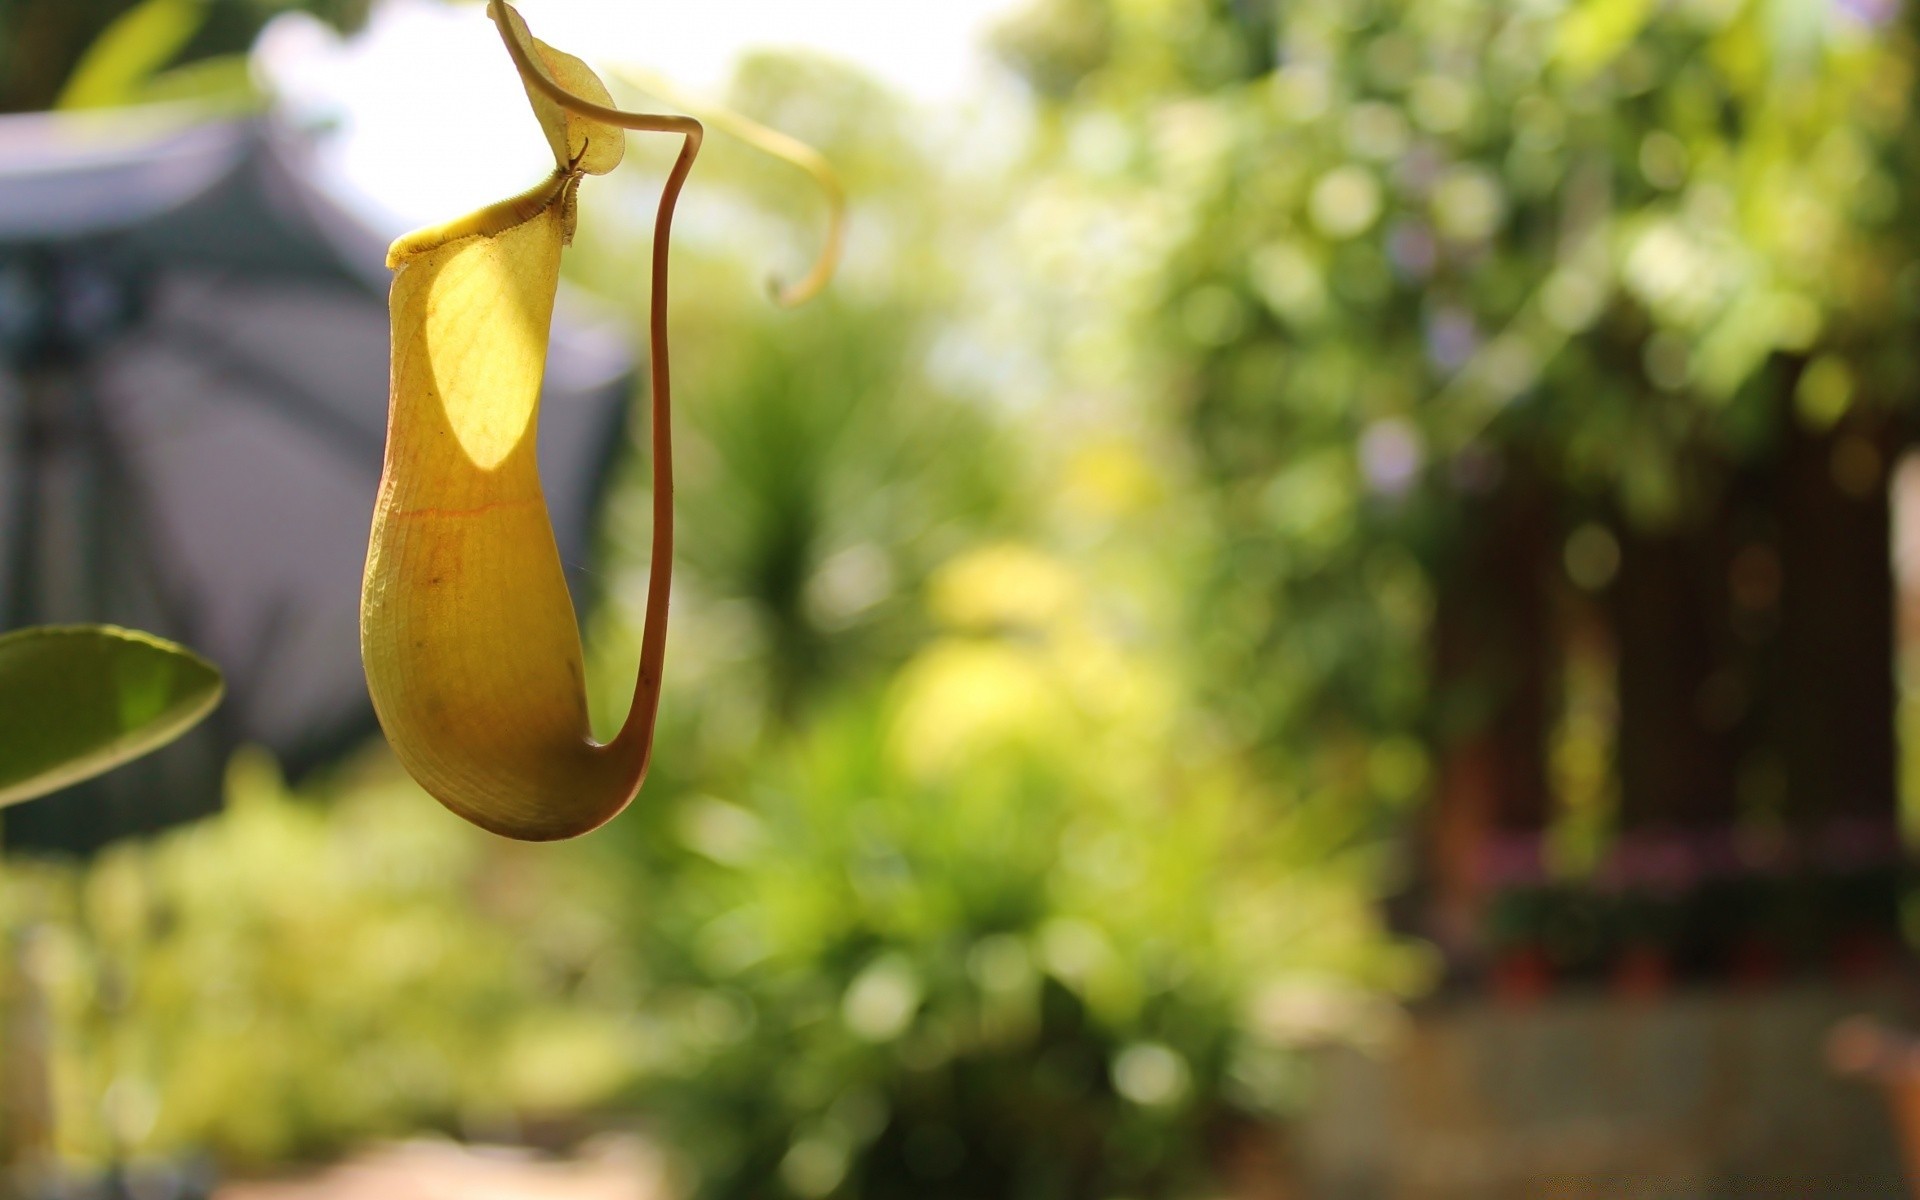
point(653, 634)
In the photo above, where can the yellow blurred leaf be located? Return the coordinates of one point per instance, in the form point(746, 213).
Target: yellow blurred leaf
point(131, 51)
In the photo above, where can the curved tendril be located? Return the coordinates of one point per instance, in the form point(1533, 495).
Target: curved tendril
point(653, 633)
point(777, 145)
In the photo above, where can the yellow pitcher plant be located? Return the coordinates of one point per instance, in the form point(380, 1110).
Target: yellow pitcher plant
point(467, 631)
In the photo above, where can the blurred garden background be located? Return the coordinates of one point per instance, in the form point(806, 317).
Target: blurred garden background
point(1328, 605)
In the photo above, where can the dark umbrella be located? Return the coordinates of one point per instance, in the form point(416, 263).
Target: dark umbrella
point(193, 359)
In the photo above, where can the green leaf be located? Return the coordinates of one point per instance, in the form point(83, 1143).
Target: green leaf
point(76, 700)
point(130, 51)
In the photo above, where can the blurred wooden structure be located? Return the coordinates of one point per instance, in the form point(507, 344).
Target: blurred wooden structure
point(1748, 649)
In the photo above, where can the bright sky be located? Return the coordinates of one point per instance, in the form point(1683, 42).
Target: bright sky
point(428, 120)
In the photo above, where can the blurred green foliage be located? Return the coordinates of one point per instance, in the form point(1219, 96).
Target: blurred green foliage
point(122, 64)
point(43, 43)
point(1363, 263)
point(949, 886)
point(303, 972)
point(1010, 927)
